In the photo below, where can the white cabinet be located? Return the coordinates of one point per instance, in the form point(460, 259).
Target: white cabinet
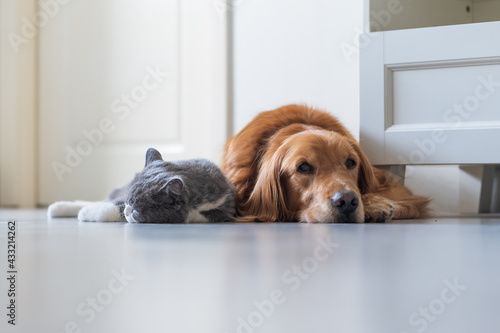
point(430, 85)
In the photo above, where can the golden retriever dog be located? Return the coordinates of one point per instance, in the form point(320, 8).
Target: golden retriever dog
point(298, 163)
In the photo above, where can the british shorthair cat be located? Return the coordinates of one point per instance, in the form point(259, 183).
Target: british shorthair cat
point(189, 191)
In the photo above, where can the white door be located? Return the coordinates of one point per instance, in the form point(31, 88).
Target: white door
point(117, 77)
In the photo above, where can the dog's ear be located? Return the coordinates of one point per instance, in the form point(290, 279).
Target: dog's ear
point(267, 202)
point(367, 181)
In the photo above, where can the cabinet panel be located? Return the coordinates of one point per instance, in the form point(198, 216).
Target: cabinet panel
point(446, 96)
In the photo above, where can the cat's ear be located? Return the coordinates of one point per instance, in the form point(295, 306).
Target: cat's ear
point(175, 186)
point(153, 155)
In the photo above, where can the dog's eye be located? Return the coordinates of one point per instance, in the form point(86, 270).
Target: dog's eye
point(306, 168)
point(350, 163)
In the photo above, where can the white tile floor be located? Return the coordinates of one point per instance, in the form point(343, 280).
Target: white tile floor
point(439, 275)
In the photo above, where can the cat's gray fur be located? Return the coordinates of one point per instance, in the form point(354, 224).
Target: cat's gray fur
point(177, 192)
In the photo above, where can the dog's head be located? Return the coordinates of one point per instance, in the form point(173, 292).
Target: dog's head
point(309, 174)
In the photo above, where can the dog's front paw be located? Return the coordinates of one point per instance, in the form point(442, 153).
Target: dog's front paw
point(377, 208)
point(100, 212)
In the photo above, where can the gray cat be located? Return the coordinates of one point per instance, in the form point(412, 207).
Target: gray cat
point(163, 192)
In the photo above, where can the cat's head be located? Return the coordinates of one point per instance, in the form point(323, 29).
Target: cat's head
point(156, 195)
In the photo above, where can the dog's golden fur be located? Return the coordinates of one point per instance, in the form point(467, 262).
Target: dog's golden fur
point(288, 165)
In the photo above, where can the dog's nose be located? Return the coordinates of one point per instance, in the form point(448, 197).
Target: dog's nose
point(345, 202)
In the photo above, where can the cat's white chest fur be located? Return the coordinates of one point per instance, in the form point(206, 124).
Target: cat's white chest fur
point(195, 214)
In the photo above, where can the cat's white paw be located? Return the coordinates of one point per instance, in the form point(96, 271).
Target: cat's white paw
point(66, 208)
point(100, 212)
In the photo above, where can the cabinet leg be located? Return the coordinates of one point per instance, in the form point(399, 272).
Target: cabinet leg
point(479, 189)
point(495, 202)
point(486, 195)
point(490, 196)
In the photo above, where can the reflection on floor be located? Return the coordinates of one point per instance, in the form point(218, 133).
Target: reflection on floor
point(438, 275)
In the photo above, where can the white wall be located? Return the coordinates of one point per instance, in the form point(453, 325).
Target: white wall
point(18, 99)
point(288, 51)
point(293, 51)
